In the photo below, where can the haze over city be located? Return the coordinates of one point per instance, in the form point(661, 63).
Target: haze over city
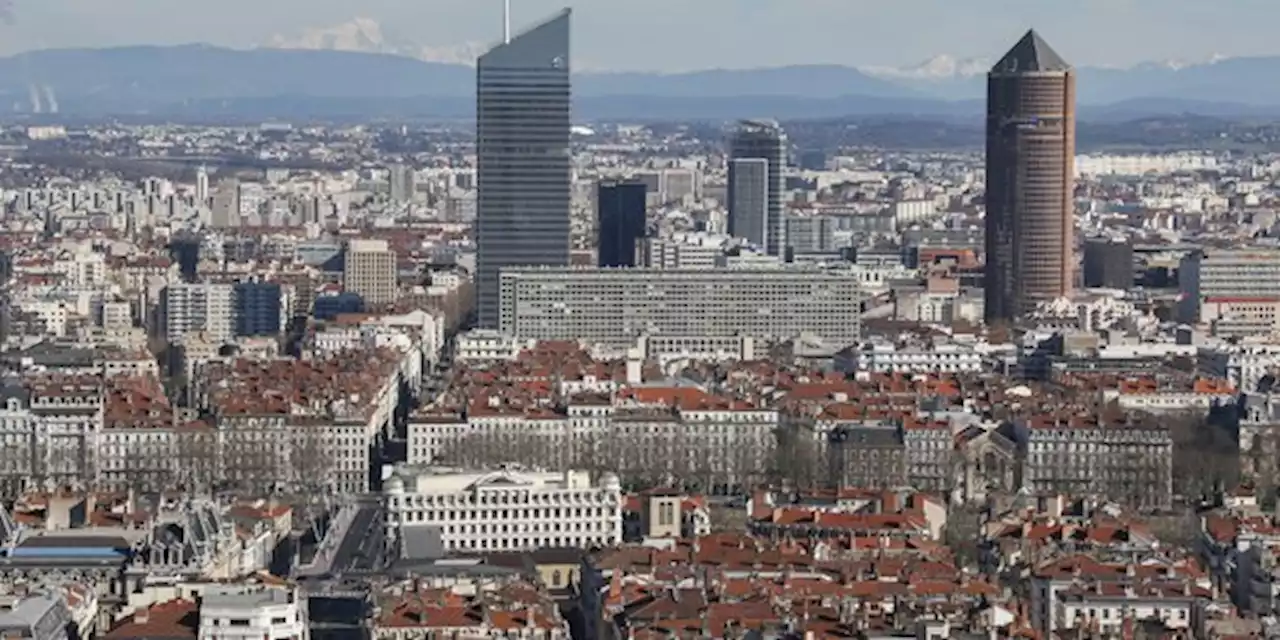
point(672, 35)
point(400, 325)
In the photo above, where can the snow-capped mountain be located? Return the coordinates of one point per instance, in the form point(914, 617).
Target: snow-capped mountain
point(365, 35)
point(936, 68)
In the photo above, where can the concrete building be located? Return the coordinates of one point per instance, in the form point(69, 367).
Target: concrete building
point(618, 306)
point(758, 140)
point(683, 251)
point(253, 612)
point(1236, 292)
point(1031, 131)
point(524, 172)
point(369, 271)
point(505, 509)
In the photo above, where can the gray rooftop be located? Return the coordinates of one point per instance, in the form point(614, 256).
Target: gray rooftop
point(245, 598)
point(1031, 54)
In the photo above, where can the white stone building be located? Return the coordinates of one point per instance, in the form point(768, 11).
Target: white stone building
point(505, 509)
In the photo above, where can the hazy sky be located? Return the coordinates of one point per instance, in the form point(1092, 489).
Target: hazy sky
point(692, 34)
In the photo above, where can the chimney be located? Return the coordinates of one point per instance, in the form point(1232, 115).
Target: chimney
point(143, 616)
point(615, 584)
point(528, 618)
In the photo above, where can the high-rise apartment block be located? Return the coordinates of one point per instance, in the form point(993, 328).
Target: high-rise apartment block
point(225, 208)
point(402, 183)
point(198, 308)
point(223, 311)
point(524, 171)
point(759, 140)
point(1031, 132)
point(618, 306)
point(369, 270)
point(620, 218)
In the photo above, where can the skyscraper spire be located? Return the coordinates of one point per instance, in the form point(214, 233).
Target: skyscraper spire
point(506, 21)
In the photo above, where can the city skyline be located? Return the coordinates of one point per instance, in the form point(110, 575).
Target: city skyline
point(619, 36)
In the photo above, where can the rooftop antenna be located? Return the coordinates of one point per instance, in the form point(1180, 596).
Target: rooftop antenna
point(506, 21)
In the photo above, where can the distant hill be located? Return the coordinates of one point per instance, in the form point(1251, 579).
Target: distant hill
point(1241, 81)
point(201, 81)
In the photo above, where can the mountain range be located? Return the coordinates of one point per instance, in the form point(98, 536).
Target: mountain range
point(359, 72)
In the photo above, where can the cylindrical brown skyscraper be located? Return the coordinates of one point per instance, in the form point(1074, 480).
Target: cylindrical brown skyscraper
point(1031, 140)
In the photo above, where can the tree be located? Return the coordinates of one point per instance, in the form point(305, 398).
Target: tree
point(797, 458)
point(1205, 453)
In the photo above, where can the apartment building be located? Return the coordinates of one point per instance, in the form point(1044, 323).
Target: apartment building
point(648, 435)
point(370, 271)
point(1130, 462)
point(505, 509)
point(618, 306)
point(867, 455)
point(206, 308)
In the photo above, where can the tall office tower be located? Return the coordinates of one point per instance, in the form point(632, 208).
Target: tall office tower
point(749, 200)
point(523, 163)
point(1031, 139)
point(369, 271)
point(759, 140)
point(620, 208)
point(202, 185)
point(402, 183)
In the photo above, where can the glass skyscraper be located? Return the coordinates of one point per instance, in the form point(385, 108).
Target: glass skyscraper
point(620, 217)
point(524, 169)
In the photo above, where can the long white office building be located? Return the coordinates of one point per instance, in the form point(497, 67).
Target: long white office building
point(504, 509)
point(617, 307)
point(1234, 291)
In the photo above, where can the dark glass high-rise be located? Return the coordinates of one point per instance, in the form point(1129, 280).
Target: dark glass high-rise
point(620, 217)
